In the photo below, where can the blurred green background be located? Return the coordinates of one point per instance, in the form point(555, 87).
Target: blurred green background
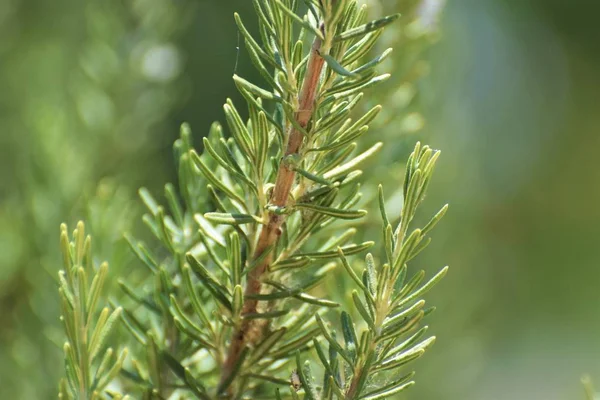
point(92, 94)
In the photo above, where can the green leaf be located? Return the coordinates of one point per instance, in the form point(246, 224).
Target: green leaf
point(219, 291)
point(436, 218)
point(342, 85)
point(334, 15)
point(348, 250)
point(175, 207)
point(391, 321)
point(406, 248)
point(381, 199)
point(259, 260)
point(410, 285)
point(148, 200)
point(373, 63)
point(266, 315)
point(336, 389)
point(336, 66)
point(266, 345)
point(388, 391)
point(332, 212)
point(235, 259)
point(383, 282)
point(312, 177)
point(346, 167)
point(422, 245)
point(227, 154)
point(349, 334)
point(336, 158)
point(364, 120)
point(407, 343)
point(255, 90)
point(185, 375)
point(142, 254)
point(113, 371)
point(237, 301)
point(238, 130)
point(292, 263)
point(218, 183)
point(192, 333)
point(401, 328)
point(341, 141)
point(290, 114)
point(361, 48)
point(231, 219)
point(211, 252)
point(232, 168)
point(366, 28)
point(371, 274)
point(305, 374)
point(322, 357)
point(362, 310)
point(423, 289)
point(252, 43)
point(350, 271)
point(302, 22)
point(102, 330)
point(261, 142)
point(371, 82)
point(285, 292)
point(277, 394)
point(66, 290)
point(332, 342)
point(148, 303)
point(286, 349)
point(335, 241)
point(153, 357)
point(267, 378)
point(193, 297)
point(337, 114)
point(407, 356)
point(137, 330)
point(188, 325)
point(365, 372)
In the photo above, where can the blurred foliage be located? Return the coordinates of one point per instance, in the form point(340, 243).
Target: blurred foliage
point(512, 100)
point(87, 90)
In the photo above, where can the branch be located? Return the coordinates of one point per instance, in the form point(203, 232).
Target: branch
point(250, 330)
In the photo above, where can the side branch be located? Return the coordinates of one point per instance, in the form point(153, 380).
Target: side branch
point(250, 330)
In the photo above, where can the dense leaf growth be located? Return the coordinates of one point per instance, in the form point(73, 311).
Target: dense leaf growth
point(231, 304)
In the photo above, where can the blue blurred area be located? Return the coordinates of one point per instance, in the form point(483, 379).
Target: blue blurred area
point(92, 95)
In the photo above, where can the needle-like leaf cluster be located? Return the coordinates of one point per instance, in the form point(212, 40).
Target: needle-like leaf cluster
point(90, 364)
point(231, 301)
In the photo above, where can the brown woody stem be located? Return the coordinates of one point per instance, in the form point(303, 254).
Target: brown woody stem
point(250, 330)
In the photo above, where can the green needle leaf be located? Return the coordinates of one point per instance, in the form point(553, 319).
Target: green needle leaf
point(423, 289)
point(362, 309)
point(255, 90)
point(305, 374)
point(231, 219)
point(366, 28)
point(266, 315)
point(332, 212)
point(336, 66)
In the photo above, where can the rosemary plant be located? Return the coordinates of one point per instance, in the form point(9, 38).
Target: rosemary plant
point(90, 366)
point(231, 304)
